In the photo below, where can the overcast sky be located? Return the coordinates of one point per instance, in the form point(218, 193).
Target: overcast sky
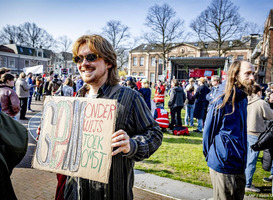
point(74, 18)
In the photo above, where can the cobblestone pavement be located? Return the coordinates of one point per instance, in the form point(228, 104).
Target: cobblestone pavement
point(29, 183)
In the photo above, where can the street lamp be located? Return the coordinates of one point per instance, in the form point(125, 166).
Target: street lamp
point(155, 70)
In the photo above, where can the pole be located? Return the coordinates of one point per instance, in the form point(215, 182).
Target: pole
point(155, 70)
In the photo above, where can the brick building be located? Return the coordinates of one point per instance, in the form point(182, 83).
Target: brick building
point(262, 55)
point(146, 60)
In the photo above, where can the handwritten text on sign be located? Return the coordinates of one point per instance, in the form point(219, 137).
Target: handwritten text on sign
point(76, 137)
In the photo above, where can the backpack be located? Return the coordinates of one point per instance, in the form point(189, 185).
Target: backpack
point(13, 141)
point(180, 130)
point(60, 91)
point(190, 97)
point(55, 86)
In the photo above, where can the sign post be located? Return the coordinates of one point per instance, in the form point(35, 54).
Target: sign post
point(76, 137)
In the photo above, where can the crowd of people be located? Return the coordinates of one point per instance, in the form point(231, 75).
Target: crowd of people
point(231, 115)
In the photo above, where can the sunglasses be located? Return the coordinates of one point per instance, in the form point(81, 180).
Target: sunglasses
point(89, 57)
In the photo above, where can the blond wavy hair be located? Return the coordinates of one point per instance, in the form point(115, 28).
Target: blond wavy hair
point(99, 45)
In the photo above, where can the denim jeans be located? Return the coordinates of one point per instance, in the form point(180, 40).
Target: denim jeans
point(252, 157)
point(29, 101)
point(200, 124)
point(189, 114)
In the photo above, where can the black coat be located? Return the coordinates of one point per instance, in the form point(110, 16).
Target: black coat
point(201, 102)
point(177, 97)
point(265, 142)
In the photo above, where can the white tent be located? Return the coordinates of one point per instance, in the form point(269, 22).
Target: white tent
point(34, 70)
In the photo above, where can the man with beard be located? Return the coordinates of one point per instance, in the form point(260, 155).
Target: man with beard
point(225, 133)
point(137, 136)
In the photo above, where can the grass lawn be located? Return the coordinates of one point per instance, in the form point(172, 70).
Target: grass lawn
point(181, 158)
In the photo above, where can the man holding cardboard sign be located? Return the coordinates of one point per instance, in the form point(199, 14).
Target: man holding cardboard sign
point(137, 136)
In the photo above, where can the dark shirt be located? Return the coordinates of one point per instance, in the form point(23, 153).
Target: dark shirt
point(146, 92)
point(134, 117)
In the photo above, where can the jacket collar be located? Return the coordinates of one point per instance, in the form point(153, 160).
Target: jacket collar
point(104, 90)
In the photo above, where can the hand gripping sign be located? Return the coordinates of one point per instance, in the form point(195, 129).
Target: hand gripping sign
point(76, 137)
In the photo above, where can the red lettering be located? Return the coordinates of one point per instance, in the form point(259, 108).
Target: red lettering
point(101, 110)
point(91, 110)
point(105, 111)
point(111, 112)
point(99, 129)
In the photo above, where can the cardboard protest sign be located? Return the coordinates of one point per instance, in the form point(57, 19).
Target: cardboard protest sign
point(76, 137)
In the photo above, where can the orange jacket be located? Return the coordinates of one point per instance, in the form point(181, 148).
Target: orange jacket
point(159, 94)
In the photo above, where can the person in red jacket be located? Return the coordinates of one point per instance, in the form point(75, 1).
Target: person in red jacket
point(159, 94)
point(138, 84)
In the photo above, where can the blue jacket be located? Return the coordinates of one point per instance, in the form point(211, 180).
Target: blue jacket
point(79, 84)
point(29, 82)
point(225, 136)
point(146, 92)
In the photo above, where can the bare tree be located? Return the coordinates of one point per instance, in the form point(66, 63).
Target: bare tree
point(165, 28)
point(9, 34)
point(64, 43)
point(118, 35)
point(34, 36)
point(220, 22)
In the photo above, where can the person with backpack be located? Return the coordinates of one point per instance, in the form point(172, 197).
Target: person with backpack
point(54, 84)
point(189, 105)
point(66, 89)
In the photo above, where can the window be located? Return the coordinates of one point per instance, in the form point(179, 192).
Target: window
point(21, 49)
point(26, 63)
point(230, 59)
point(134, 61)
point(134, 73)
point(11, 62)
point(30, 51)
point(40, 54)
point(206, 45)
point(3, 61)
point(240, 57)
point(141, 74)
point(141, 61)
point(153, 62)
point(160, 61)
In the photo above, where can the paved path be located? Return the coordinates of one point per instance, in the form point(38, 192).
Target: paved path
point(35, 184)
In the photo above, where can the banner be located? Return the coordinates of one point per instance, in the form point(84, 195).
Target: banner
point(34, 70)
point(201, 73)
point(76, 137)
point(224, 75)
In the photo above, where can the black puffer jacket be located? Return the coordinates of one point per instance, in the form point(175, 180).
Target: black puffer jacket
point(265, 142)
point(177, 97)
